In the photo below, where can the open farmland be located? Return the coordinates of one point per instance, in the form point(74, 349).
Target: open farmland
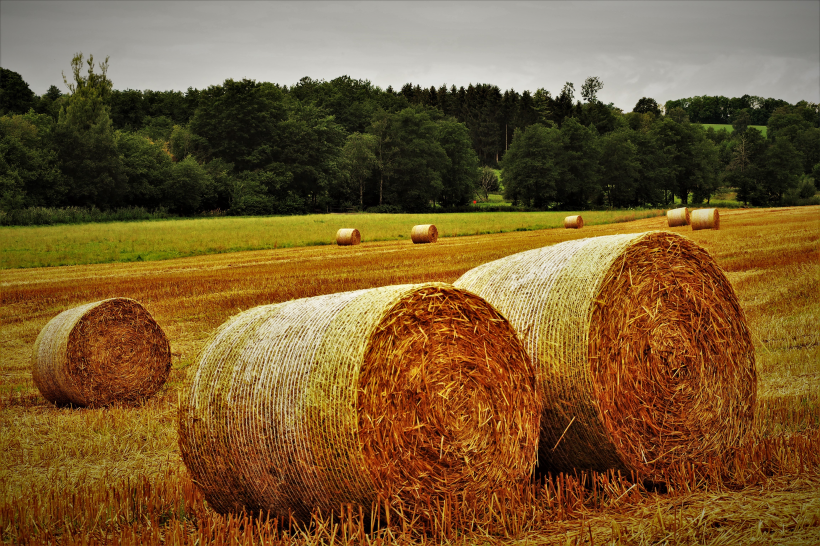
point(115, 475)
point(46, 246)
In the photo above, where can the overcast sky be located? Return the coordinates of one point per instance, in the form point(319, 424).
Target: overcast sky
point(664, 49)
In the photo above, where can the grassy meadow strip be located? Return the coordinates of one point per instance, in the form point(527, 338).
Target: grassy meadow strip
point(46, 246)
point(729, 128)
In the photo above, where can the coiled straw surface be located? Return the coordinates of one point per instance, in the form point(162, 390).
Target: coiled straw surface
point(426, 233)
point(100, 353)
point(645, 356)
point(412, 394)
point(348, 236)
point(574, 222)
point(677, 217)
point(705, 219)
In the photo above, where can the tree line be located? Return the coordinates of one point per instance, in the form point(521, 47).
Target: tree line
point(247, 147)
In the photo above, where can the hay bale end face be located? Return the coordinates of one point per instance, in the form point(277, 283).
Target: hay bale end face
point(106, 352)
point(678, 217)
point(574, 222)
point(705, 219)
point(408, 393)
point(425, 233)
point(645, 356)
point(348, 237)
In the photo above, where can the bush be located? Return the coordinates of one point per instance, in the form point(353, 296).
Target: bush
point(43, 216)
point(386, 209)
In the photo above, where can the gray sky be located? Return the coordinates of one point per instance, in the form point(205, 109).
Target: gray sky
point(664, 50)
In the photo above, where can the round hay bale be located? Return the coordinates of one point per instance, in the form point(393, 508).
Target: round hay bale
point(409, 393)
point(426, 233)
point(677, 217)
point(705, 219)
point(100, 353)
point(574, 222)
point(348, 237)
point(644, 353)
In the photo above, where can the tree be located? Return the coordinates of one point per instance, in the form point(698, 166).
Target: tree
point(580, 170)
point(238, 121)
point(741, 120)
point(529, 167)
point(647, 105)
point(459, 179)
point(620, 168)
point(146, 166)
point(488, 181)
point(184, 188)
point(386, 148)
point(744, 170)
point(782, 167)
point(85, 139)
point(359, 160)
point(15, 95)
point(589, 91)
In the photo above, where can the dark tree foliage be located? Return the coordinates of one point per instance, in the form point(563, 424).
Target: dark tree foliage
point(532, 168)
point(15, 95)
point(647, 105)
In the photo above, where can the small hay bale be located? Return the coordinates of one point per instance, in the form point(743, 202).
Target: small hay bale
point(644, 353)
point(101, 353)
point(426, 233)
point(348, 237)
point(705, 219)
point(409, 393)
point(574, 222)
point(677, 217)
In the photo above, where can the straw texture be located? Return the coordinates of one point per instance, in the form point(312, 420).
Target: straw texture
point(677, 217)
point(645, 356)
point(100, 353)
point(426, 233)
point(705, 219)
point(411, 394)
point(348, 236)
point(574, 222)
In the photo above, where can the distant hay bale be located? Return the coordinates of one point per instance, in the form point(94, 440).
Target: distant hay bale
point(410, 393)
point(645, 356)
point(348, 236)
point(574, 222)
point(426, 233)
point(705, 219)
point(677, 217)
point(101, 353)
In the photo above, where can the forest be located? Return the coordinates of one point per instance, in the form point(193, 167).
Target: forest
point(257, 148)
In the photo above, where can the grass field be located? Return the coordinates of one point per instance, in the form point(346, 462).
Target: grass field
point(728, 127)
point(45, 246)
point(114, 476)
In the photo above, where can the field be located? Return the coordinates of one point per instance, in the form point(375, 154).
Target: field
point(44, 246)
point(728, 127)
point(114, 476)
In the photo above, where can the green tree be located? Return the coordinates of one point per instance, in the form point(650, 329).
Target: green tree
point(359, 160)
point(386, 148)
point(530, 169)
point(744, 171)
point(782, 167)
point(620, 168)
point(459, 179)
point(580, 170)
point(29, 166)
point(488, 182)
point(647, 105)
point(589, 91)
point(85, 139)
point(183, 190)
point(15, 95)
point(147, 166)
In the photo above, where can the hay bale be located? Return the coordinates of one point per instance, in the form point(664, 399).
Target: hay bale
point(574, 222)
point(348, 237)
point(705, 219)
point(677, 217)
point(645, 356)
point(100, 353)
point(426, 233)
point(410, 393)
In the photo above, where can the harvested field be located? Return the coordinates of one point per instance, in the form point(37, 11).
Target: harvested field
point(115, 475)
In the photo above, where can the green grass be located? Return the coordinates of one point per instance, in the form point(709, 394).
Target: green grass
point(719, 126)
point(45, 246)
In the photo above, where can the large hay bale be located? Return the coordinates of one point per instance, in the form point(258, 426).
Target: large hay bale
point(573, 222)
point(645, 356)
point(410, 393)
point(100, 353)
point(425, 233)
point(705, 219)
point(677, 217)
point(348, 236)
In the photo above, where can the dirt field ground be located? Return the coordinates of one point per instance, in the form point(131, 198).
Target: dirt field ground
point(115, 476)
